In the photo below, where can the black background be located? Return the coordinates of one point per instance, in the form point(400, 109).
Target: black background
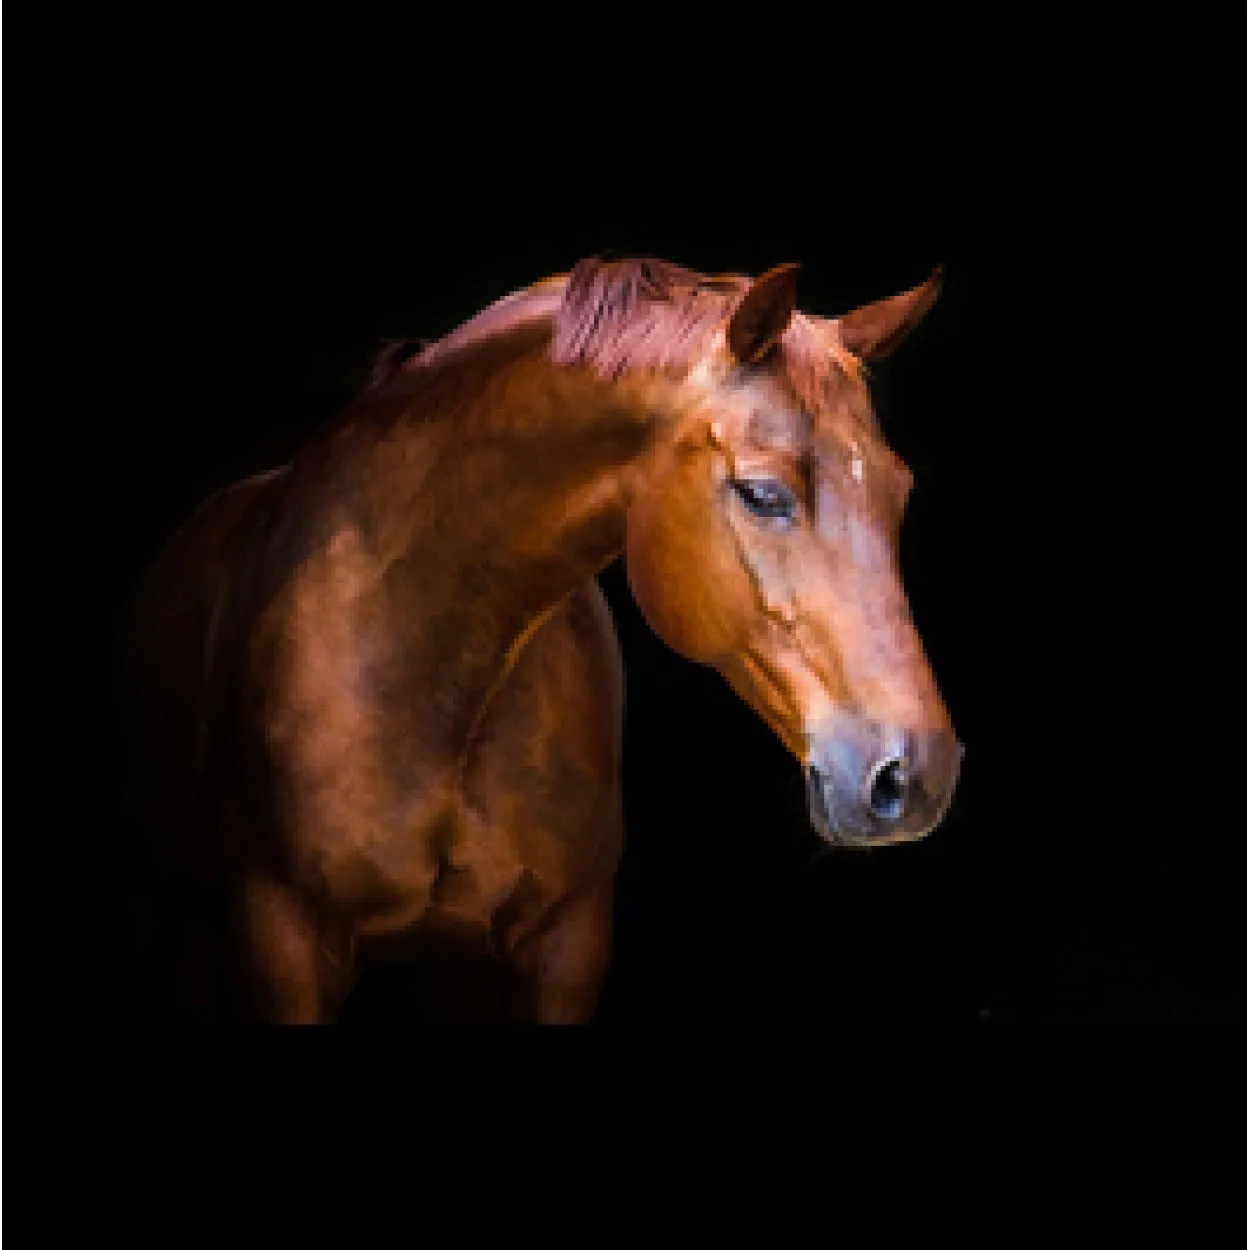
point(240, 237)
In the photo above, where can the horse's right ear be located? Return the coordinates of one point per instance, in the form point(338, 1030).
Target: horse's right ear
point(762, 314)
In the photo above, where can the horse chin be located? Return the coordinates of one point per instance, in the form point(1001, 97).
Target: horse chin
point(837, 830)
point(838, 837)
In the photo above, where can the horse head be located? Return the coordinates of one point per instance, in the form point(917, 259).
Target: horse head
point(762, 539)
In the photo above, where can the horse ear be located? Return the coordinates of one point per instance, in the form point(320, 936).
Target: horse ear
point(877, 329)
point(763, 313)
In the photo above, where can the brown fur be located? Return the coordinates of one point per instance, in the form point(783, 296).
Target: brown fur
point(374, 698)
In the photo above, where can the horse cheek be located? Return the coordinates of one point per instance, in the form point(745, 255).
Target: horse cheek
point(676, 562)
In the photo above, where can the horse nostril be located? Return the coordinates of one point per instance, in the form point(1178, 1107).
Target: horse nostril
point(887, 789)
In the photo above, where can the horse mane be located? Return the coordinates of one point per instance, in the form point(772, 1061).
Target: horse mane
point(636, 315)
point(390, 359)
point(621, 316)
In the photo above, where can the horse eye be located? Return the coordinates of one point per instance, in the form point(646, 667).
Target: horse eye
point(766, 497)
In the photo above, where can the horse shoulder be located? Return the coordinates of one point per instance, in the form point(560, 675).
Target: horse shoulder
point(541, 788)
point(360, 803)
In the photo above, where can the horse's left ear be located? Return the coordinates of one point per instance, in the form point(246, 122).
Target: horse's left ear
point(763, 313)
point(877, 329)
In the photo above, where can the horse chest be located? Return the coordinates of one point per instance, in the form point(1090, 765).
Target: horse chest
point(402, 833)
point(466, 879)
point(392, 850)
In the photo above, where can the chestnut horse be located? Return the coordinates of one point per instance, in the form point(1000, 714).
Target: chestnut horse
point(373, 698)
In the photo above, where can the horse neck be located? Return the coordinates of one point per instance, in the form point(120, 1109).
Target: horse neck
point(499, 485)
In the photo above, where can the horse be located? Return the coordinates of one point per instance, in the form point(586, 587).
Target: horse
point(371, 700)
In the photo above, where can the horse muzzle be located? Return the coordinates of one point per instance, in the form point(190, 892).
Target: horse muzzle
point(870, 784)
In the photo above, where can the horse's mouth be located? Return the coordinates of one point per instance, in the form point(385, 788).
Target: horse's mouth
point(850, 824)
point(839, 836)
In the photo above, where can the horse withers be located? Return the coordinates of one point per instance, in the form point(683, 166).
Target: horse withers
point(372, 699)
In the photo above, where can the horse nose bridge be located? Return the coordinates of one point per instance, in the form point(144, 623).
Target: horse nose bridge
point(861, 643)
point(896, 687)
point(890, 677)
point(860, 609)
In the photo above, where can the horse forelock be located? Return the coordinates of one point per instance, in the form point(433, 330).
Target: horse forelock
point(625, 316)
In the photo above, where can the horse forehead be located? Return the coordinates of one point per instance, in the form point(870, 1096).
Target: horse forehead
point(762, 415)
point(774, 427)
point(773, 418)
point(839, 441)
